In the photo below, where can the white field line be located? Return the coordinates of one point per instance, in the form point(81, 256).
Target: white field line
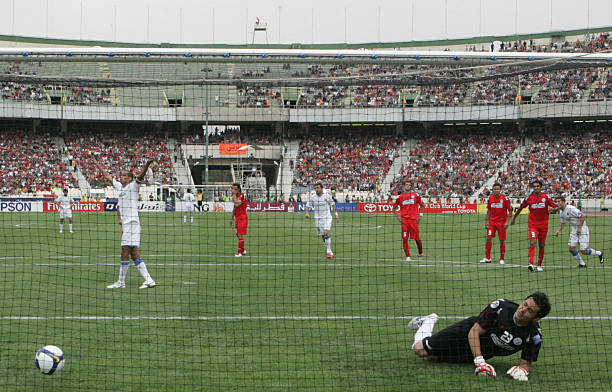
point(264, 318)
point(357, 262)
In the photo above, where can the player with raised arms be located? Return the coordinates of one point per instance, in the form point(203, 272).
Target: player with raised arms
point(65, 210)
point(538, 204)
point(498, 220)
point(408, 210)
point(321, 204)
point(127, 186)
point(579, 232)
point(502, 328)
point(189, 199)
point(240, 215)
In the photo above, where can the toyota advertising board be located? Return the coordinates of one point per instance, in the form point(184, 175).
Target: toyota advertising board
point(430, 208)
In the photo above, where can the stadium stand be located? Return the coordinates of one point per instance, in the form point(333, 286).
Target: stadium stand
point(454, 163)
point(119, 150)
point(354, 161)
point(569, 162)
point(31, 162)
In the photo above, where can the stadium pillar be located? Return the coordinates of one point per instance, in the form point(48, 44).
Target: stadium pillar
point(63, 126)
point(206, 137)
point(35, 125)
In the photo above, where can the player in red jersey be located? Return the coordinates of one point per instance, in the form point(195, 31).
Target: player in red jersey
point(498, 219)
point(240, 214)
point(538, 204)
point(409, 209)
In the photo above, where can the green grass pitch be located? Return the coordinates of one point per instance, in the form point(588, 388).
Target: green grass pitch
point(285, 318)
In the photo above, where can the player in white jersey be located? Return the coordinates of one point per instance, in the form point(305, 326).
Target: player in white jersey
point(579, 231)
point(190, 200)
point(65, 210)
point(128, 188)
point(321, 203)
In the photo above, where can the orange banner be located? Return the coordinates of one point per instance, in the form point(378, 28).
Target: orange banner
point(232, 148)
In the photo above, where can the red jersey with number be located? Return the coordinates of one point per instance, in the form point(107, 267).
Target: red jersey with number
point(240, 211)
point(538, 209)
point(409, 205)
point(499, 207)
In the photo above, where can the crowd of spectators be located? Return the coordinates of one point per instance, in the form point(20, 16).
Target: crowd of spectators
point(354, 161)
point(570, 162)
point(454, 163)
point(591, 43)
point(602, 90)
point(254, 97)
point(31, 162)
point(119, 151)
point(70, 95)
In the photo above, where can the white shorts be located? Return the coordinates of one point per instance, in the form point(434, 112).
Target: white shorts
point(323, 224)
point(131, 234)
point(582, 239)
point(65, 214)
point(189, 207)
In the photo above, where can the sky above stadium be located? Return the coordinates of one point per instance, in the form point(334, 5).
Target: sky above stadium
point(290, 21)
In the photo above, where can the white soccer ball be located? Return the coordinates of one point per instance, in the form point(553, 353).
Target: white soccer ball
point(50, 359)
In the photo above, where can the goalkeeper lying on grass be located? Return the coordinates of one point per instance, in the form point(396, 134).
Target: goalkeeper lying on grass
point(503, 328)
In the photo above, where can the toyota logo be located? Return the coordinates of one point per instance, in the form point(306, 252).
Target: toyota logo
point(369, 208)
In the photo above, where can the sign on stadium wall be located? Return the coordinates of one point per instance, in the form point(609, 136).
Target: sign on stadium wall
point(340, 207)
point(143, 206)
point(265, 206)
point(430, 208)
point(21, 206)
point(77, 206)
point(232, 148)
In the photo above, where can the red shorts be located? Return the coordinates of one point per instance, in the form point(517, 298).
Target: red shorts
point(500, 229)
point(410, 229)
point(538, 233)
point(241, 226)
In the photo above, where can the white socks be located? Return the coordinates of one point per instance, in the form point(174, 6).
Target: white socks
point(61, 227)
point(70, 225)
point(327, 242)
point(578, 258)
point(123, 270)
point(425, 330)
point(594, 252)
point(142, 268)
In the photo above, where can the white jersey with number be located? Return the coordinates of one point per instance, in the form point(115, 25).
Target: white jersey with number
point(128, 201)
point(64, 203)
point(320, 205)
point(572, 215)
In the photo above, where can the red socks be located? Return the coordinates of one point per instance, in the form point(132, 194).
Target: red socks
point(406, 250)
point(489, 245)
point(420, 246)
point(240, 245)
point(502, 251)
point(531, 254)
point(540, 256)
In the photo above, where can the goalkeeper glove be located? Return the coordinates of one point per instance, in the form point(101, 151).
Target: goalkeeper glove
point(483, 368)
point(518, 373)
